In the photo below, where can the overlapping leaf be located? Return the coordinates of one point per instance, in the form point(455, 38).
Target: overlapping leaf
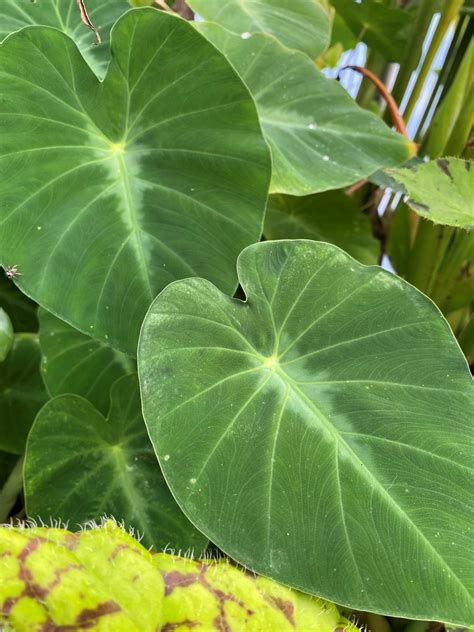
point(64, 15)
point(22, 392)
point(332, 412)
point(80, 466)
point(74, 363)
point(441, 190)
point(319, 138)
point(112, 190)
point(386, 29)
point(303, 25)
point(332, 216)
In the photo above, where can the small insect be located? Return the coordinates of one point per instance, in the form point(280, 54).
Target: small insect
point(12, 271)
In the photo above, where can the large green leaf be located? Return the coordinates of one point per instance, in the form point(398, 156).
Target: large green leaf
point(80, 466)
point(65, 16)
point(74, 363)
point(324, 424)
point(441, 190)
point(386, 29)
point(332, 216)
point(319, 138)
point(303, 25)
point(112, 190)
point(6, 334)
point(22, 392)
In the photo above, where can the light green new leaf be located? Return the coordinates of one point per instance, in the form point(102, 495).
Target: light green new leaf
point(64, 15)
point(324, 424)
point(319, 138)
point(303, 25)
point(441, 190)
point(6, 334)
point(112, 190)
point(74, 363)
point(332, 216)
point(80, 466)
point(22, 392)
point(386, 29)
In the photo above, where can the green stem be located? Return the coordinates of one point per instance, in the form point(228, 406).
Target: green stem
point(448, 14)
point(427, 253)
point(11, 489)
point(417, 626)
point(466, 340)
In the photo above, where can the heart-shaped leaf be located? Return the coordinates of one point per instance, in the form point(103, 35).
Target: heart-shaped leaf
point(441, 190)
point(332, 216)
point(80, 466)
point(6, 334)
point(22, 392)
point(300, 24)
point(324, 424)
point(319, 138)
point(158, 173)
point(64, 15)
point(74, 363)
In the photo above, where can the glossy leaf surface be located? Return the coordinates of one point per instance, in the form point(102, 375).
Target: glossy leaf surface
point(386, 29)
point(158, 173)
point(303, 25)
point(6, 334)
point(441, 190)
point(65, 16)
point(80, 466)
point(319, 138)
point(74, 363)
point(324, 424)
point(22, 392)
point(332, 216)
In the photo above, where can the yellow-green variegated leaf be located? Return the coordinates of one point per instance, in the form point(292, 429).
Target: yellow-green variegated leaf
point(322, 426)
point(102, 579)
point(112, 190)
point(319, 137)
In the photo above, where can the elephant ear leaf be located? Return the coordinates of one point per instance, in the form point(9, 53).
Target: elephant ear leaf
point(112, 198)
point(102, 467)
point(295, 412)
